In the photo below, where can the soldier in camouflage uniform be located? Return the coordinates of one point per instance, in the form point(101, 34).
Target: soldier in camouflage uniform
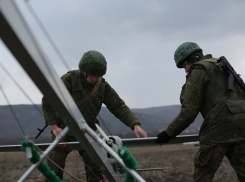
point(223, 130)
point(80, 83)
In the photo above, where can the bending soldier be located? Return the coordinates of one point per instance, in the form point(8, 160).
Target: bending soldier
point(80, 83)
point(222, 131)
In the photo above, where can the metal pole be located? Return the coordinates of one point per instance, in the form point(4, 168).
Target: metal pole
point(18, 37)
point(45, 154)
point(112, 153)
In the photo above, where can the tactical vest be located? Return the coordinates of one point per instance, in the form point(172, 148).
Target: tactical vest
point(90, 109)
point(216, 90)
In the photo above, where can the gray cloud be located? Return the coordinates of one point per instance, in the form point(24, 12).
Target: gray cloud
point(138, 39)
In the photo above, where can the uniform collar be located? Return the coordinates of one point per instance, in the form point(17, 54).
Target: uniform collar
point(208, 56)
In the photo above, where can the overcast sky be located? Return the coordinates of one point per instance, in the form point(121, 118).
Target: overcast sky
point(138, 39)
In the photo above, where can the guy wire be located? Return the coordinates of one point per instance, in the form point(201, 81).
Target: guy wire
point(52, 43)
point(56, 49)
point(16, 83)
point(22, 90)
point(12, 110)
point(77, 156)
point(28, 5)
point(42, 56)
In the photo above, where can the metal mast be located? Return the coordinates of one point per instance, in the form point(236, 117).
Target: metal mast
point(19, 39)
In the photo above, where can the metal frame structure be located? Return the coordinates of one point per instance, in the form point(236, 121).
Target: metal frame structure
point(19, 39)
point(45, 154)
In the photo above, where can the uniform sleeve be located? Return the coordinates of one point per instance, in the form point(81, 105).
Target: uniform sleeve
point(48, 112)
point(191, 100)
point(118, 107)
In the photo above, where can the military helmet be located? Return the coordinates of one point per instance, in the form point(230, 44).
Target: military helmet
point(183, 51)
point(93, 63)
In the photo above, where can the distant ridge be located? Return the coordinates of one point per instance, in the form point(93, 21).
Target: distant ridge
point(153, 119)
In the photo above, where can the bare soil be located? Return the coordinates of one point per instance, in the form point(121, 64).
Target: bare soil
point(176, 161)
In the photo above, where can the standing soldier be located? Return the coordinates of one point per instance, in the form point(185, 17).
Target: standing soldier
point(223, 130)
point(81, 83)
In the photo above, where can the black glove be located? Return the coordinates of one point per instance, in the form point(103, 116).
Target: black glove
point(163, 137)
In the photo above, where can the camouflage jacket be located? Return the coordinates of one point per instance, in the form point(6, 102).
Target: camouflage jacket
point(222, 124)
point(78, 87)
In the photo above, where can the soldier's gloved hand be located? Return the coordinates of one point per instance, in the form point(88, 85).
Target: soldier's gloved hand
point(163, 137)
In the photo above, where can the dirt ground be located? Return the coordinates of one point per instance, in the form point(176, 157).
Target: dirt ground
point(176, 161)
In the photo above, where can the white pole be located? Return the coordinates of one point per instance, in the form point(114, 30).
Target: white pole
point(44, 155)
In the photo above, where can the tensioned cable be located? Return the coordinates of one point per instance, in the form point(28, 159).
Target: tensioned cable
point(47, 34)
point(57, 164)
point(26, 135)
point(41, 55)
point(55, 48)
point(53, 79)
point(77, 156)
point(58, 53)
point(22, 90)
point(12, 110)
point(16, 83)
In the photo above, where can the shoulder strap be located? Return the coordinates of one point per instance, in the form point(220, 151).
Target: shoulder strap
point(210, 60)
point(91, 93)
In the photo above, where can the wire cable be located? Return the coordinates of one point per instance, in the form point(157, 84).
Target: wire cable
point(44, 61)
point(12, 110)
point(55, 48)
point(42, 56)
point(57, 164)
point(40, 53)
point(77, 156)
point(28, 5)
point(52, 43)
point(22, 90)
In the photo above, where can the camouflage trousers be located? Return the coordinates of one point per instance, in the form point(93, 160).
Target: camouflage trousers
point(209, 158)
point(93, 173)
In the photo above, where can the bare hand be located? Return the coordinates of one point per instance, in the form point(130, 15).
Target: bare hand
point(56, 130)
point(138, 130)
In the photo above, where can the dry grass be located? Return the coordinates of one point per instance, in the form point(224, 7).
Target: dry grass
point(176, 161)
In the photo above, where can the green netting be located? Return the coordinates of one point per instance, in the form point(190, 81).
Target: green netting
point(43, 168)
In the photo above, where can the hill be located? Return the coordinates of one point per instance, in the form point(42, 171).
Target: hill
point(153, 120)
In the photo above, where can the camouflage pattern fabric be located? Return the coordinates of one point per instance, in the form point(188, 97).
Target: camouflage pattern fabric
point(220, 126)
point(222, 132)
point(209, 157)
point(93, 173)
point(59, 158)
point(58, 155)
point(78, 87)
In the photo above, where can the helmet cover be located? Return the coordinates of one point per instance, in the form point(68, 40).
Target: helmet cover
point(183, 51)
point(93, 63)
